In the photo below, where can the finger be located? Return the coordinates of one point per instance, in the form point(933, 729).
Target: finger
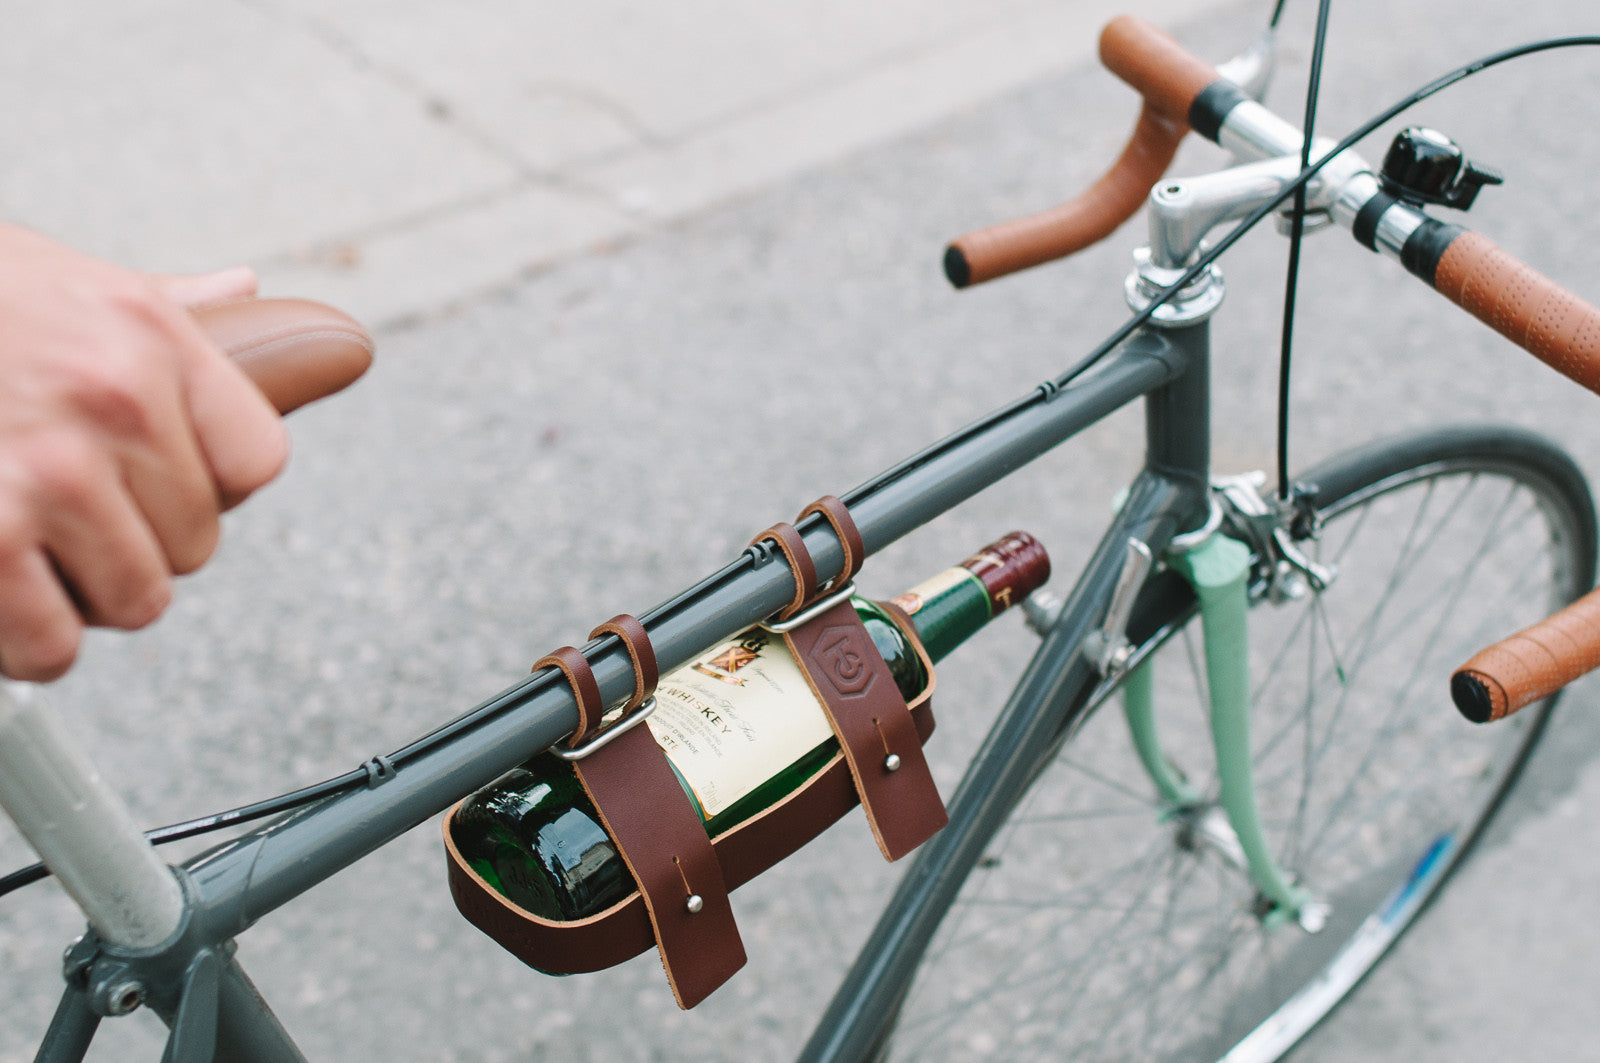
point(172, 487)
point(136, 404)
point(239, 434)
point(114, 568)
point(193, 291)
point(39, 627)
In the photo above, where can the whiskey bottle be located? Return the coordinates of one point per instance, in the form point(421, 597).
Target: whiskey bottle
point(741, 729)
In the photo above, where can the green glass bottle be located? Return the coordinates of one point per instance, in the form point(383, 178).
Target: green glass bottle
point(741, 730)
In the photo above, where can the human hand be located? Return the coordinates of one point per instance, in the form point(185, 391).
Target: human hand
point(124, 434)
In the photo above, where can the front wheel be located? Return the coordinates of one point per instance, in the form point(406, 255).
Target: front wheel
point(1104, 923)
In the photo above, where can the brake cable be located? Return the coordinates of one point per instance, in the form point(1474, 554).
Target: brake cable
point(1297, 229)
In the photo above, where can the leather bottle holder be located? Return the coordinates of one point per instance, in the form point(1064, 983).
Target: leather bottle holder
point(682, 905)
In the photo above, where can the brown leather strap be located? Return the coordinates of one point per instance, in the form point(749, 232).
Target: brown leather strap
point(658, 834)
point(664, 844)
point(646, 673)
point(804, 570)
point(585, 689)
point(844, 526)
point(874, 728)
point(858, 694)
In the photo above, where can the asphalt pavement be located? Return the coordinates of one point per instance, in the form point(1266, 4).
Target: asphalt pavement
point(645, 281)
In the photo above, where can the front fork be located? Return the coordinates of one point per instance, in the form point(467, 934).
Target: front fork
point(1218, 568)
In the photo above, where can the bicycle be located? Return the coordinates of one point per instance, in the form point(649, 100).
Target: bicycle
point(1551, 477)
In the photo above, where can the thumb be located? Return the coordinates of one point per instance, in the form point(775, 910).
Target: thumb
point(195, 290)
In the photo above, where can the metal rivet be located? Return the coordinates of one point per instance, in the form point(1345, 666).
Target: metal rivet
point(891, 762)
point(694, 903)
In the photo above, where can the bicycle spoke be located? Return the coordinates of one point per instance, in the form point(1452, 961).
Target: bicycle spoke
point(1443, 612)
point(1131, 930)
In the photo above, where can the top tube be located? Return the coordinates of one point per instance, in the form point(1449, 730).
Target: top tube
point(244, 879)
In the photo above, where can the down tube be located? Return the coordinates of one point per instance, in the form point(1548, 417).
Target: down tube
point(1052, 691)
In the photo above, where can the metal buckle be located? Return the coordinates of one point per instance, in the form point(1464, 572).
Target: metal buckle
point(821, 605)
point(608, 733)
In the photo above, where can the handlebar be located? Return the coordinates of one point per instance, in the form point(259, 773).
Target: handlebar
point(1521, 304)
point(1079, 223)
point(1170, 79)
point(1530, 665)
point(1182, 92)
point(1563, 331)
point(1164, 72)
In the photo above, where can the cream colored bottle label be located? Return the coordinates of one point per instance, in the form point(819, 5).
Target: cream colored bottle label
point(736, 717)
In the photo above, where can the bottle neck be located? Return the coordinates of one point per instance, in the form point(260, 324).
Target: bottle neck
point(950, 608)
point(946, 610)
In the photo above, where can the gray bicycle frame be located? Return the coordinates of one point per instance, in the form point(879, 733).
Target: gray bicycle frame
point(192, 980)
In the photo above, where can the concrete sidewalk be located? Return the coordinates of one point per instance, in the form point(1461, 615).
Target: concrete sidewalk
point(397, 157)
point(612, 430)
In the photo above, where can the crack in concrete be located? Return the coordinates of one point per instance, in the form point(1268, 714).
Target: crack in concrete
point(440, 108)
point(333, 248)
point(611, 108)
point(327, 249)
point(821, 85)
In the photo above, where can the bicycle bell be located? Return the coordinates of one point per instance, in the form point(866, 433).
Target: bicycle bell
point(1425, 166)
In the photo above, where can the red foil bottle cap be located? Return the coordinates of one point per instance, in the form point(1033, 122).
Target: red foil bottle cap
point(1010, 568)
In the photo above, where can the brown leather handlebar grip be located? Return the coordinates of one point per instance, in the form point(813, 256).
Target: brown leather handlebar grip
point(1531, 664)
point(1079, 223)
point(1523, 305)
point(1164, 72)
point(1170, 79)
point(295, 350)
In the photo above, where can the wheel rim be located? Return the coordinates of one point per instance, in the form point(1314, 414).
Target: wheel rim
point(1120, 929)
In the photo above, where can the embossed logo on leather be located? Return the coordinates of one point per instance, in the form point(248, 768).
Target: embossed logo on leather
point(840, 655)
